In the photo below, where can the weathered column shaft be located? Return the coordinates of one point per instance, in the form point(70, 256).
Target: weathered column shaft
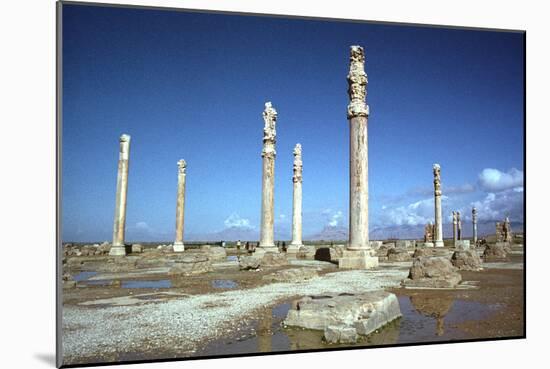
point(474, 225)
point(358, 112)
point(297, 198)
point(438, 237)
point(455, 227)
point(121, 195)
point(180, 207)
point(358, 254)
point(458, 226)
point(268, 179)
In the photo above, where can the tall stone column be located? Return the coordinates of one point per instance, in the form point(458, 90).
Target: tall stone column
point(267, 243)
point(474, 225)
point(458, 226)
point(118, 248)
point(180, 206)
point(359, 254)
point(437, 200)
point(455, 227)
point(296, 242)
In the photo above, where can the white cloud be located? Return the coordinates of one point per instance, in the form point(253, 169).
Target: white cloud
point(336, 219)
point(493, 180)
point(143, 226)
point(419, 212)
point(496, 206)
point(234, 220)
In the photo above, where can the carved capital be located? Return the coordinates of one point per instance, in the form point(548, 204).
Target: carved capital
point(357, 84)
point(182, 165)
point(270, 118)
point(124, 138)
point(297, 168)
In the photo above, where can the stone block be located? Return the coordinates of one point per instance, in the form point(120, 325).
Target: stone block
point(340, 334)
point(358, 259)
point(462, 244)
point(367, 311)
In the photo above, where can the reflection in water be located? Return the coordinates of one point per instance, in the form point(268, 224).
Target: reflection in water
point(224, 283)
point(434, 307)
point(264, 331)
point(162, 283)
point(82, 276)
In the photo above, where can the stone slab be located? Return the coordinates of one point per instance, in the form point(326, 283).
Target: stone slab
point(365, 312)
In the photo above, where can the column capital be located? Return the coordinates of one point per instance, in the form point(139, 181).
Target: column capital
point(357, 84)
point(297, 177)
point(270, 133)
point(182, 166)
point(125, 138)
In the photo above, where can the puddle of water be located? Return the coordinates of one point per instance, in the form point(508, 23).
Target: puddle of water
point(106, 282)
point(82, 276)
point(162, 283)
point(232, 258)
point(425, 319)
point(224, 283)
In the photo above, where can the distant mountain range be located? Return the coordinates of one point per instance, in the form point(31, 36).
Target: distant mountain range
point(339, 233)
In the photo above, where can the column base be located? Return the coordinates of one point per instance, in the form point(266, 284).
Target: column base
point(117, 250)
point(260, 250)
point(358, 259)
point(179, 247)
point(293, 248)
point(439, 243)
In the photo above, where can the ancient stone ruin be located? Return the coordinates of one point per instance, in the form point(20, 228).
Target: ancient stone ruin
point(438, 234)
point(180, 207)
point(296, 242)
point(118, 248)
point(504, 231)
point(358, 254)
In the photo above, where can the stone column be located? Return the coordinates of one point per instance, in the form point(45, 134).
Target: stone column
point(458, 226)
point(438, 237)
point(455, 227)
point(267, 243)
point(118, 248)
point(359, 254)
point(474, 225)
point(180, 206)
point(296, 242)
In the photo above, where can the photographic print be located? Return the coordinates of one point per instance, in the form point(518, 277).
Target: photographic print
point(241, 184)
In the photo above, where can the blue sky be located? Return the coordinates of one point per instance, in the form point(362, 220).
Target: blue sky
point(193, 86)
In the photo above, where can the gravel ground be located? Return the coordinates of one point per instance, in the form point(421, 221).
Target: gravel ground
point(181, 325)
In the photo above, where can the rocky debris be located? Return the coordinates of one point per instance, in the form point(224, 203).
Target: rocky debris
point(340, 334)
point(68, 281)
point(266, 260)
point(363, 313)
point(271, 259)
point(398, 254)
point(432, 272)
point(215, 252)
point(497, 251)
point(119, 264)
point(375, 244)
point(466, 260)
point(388, 245)
point(424, 244)
point(74, 262)
point(291, 275)
point(462, 244)
point(331, 254)
point(405, 244)
point(428, 252)
point(191, 264)
point(137, 248)
point(306, 252)
point(249, 262)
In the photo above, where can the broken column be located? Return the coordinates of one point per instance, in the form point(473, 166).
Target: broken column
point(180, 207)
point(359, 254)
point(458, 226)
point(437, 200)
point(267, 243)
point(455, 227)
point(118, 248)
point(296, 242)
point(474, 225)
